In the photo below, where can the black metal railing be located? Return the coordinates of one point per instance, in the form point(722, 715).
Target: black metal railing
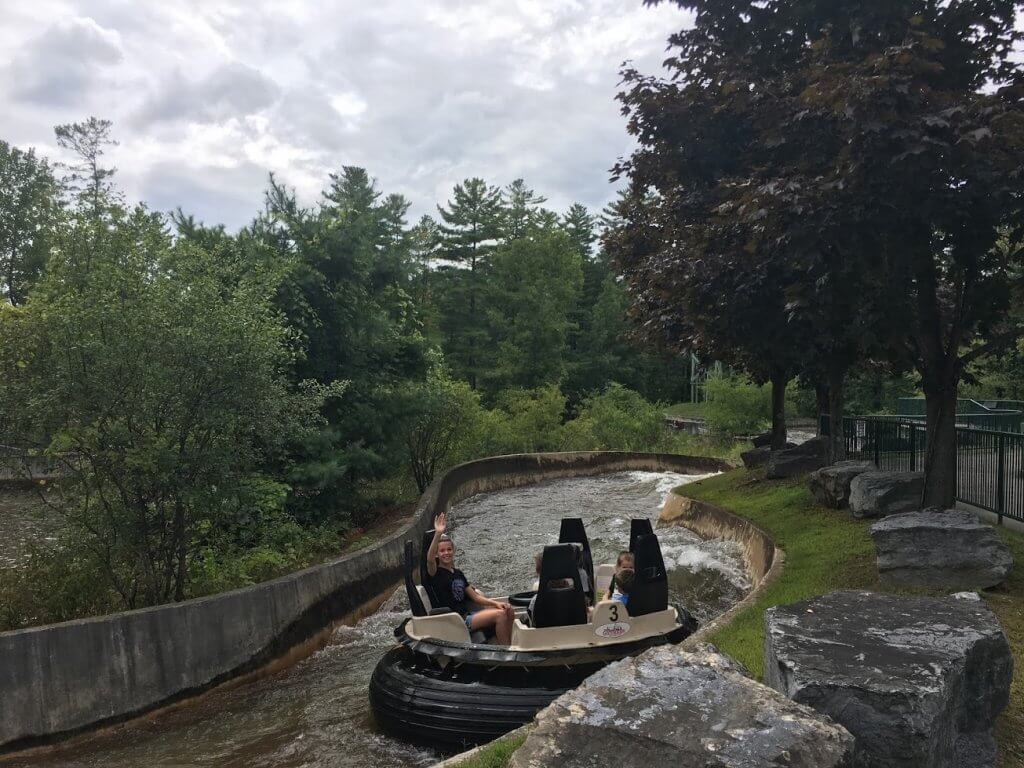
point(989, 463)
point(996, 415)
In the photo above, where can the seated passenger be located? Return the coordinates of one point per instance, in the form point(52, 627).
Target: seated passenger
point(624, 560)
point(623, 586)
point(453, 589)
point(537, 558)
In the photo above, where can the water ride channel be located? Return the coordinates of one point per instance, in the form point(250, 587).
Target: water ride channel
point(317, 712)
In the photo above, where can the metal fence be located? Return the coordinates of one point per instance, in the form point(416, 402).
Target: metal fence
point(989, 463)
point(997, 415)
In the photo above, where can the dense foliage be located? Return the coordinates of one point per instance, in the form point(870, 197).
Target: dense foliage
point(225, 407)
point(849, 176)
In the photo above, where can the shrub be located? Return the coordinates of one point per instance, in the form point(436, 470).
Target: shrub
point(737, 406)
point(617, 419)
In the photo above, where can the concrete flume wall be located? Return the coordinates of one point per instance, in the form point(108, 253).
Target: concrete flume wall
point(64, 678)
point(762, 558)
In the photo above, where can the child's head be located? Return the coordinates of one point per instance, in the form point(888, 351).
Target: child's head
point(625, 560)
point(624, 580)
point(446, 551)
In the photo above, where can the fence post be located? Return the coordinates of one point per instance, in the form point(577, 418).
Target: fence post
point(913, 447)
point(1001, 477)
point(878, 453)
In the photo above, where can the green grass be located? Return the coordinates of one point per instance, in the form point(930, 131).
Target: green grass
point(687, 410)
point(828, 550)
point(496, 754)
point(1008, 604)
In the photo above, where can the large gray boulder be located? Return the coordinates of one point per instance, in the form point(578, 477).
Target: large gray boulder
point(877, 494)
point(758, 457)
point(918, 681)
point(830, 485)
point(797, 460)
point(667, 707)
point(949, 549)
point(755, 457)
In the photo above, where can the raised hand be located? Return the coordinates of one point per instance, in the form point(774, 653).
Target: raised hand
point(439, 523)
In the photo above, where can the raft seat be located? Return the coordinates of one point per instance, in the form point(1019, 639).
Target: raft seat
point(559, 605)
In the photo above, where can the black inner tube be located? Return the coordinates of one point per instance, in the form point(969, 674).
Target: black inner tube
point(522, 599)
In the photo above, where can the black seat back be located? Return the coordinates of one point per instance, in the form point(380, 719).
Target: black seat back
point(638, 526)
point(415, 603)
point(649, 593)
point(559, 606)
point(572, 531)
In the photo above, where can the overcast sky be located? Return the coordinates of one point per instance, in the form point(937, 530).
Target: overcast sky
point(207, 97)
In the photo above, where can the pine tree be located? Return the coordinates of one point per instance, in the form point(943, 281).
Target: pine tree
point(467, 237)
point(521, 209)
point(89, 183)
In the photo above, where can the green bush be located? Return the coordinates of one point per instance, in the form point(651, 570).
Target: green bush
point(737, 406)
point(534, 418)
point(617, 419)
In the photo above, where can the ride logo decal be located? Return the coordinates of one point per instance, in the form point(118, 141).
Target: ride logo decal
point(614, 629)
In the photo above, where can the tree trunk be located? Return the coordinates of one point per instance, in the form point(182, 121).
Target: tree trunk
point(181, 546)
point(836, 441)
point(940, 457)
point(822, 401)
point(779, 379)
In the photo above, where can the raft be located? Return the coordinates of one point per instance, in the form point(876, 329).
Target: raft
point(441, 688)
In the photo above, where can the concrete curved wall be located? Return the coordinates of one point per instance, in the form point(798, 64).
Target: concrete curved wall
point(762, 558)
point(64, 678)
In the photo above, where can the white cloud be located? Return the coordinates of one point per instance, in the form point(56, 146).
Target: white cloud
point(207, 97)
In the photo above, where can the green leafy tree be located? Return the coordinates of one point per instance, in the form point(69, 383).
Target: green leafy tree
point(436, 417)
point(157, 379)
point(29, 210)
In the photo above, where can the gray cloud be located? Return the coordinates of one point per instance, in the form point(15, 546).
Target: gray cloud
point(213, 195)
point(63, 63)
point(214, 96)
point(230, 90)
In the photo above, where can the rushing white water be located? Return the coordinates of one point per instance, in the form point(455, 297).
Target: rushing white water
point(316, 714)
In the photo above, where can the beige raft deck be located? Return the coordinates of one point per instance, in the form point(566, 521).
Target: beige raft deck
point(609, 624)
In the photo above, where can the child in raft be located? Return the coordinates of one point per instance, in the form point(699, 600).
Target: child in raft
point(623, 586)
point(453, 589)
point(625, 561)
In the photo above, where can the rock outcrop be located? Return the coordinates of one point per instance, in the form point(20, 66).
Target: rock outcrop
point(667, 707)
point(877, 494)
point(949, 549)
point(797, 460)
point(830, 485)
point(918, 681)
point(755, 457)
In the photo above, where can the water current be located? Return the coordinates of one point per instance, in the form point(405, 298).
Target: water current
point(316, 713)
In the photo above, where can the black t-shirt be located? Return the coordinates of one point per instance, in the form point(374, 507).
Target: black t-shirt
point(450, 588)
